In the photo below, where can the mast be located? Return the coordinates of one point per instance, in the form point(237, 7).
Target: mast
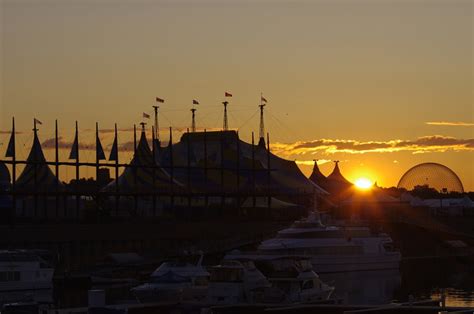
point(56, 165)
point(35, 168)
point(226, 123)
point(78, 204)
point(261, 140)
point(157, 130)
point(193, 124)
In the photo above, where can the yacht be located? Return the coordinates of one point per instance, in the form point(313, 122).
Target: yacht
point(24, 270)
point(175, 281)
point(292, 278)
point(236, 282)
point(332, 248)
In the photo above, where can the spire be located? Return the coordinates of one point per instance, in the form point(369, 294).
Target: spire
point(336, 174)
point(317, 176)
point(45, 177)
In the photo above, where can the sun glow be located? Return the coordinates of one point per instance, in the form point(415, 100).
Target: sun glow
point(363, 183)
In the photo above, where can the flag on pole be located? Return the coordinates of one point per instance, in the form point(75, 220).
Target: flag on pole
point(195, 102)
point(114, 150)
point(74, 149)
point(99, 150)
point(263, 99)
point(146, 115)
point(11, 147)
point(228, 94)
point(38, 121)
point(158, 99)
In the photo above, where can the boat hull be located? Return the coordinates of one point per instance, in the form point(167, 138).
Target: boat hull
point(333, 264)
point(25, 285)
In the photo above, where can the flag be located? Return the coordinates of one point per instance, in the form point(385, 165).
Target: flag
point(228, 94)
point(195, 102)
point(74, 149)
point(263, 99)
point(158, 99)
point(11, 147)
point(114, 150)
point(38, 121)
point(99, 150)
point(146, 115)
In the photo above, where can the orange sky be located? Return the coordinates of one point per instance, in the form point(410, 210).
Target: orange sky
point(379, 85)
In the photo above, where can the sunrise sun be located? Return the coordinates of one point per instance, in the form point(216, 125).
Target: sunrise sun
point(363, 183)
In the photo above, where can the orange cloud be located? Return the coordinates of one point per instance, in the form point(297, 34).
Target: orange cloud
point(425, 144)
point(444, 123)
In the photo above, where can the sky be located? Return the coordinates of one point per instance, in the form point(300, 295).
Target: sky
point(379, 85)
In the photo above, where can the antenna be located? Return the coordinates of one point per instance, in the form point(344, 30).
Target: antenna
point(226, 123)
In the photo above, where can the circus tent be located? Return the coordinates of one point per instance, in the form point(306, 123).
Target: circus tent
point(37, 176)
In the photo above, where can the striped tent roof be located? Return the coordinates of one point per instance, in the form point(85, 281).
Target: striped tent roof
point(143, 173)
point(37, 175)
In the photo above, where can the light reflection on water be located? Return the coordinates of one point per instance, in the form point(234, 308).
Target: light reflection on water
point(455, 297)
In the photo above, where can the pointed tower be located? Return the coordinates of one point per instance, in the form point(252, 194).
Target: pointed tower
point(37, 175)
point(317, 176)
point(336, 175)
point(336, 183)
point(140, 176)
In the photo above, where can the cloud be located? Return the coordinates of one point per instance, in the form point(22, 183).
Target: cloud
point(445, 123)
point(311, 162)
point(425, 144)
point(51, 144)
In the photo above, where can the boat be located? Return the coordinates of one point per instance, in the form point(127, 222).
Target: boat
point(331, 248)
point(24, 270)
point(292, 279)
point(236, 282)
point(175, 281)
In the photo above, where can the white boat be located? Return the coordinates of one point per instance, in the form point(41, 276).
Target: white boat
point(24, 270)
point(236, 282)
point(175, 281)
point(331, 248)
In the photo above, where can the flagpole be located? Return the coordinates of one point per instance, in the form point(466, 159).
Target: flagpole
point(188, 168)
point(193, 124)
point(269, 174)
point(171, 168)
point(35, 175)
point(253, 171)
point(97, 155)
point(153, 169)
point(226, 123)
point(56, 166)
point(77, 173)
point(116, 176)
point(13, 170)
point(205, 169)
point(134, 138)
point(157, 131)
